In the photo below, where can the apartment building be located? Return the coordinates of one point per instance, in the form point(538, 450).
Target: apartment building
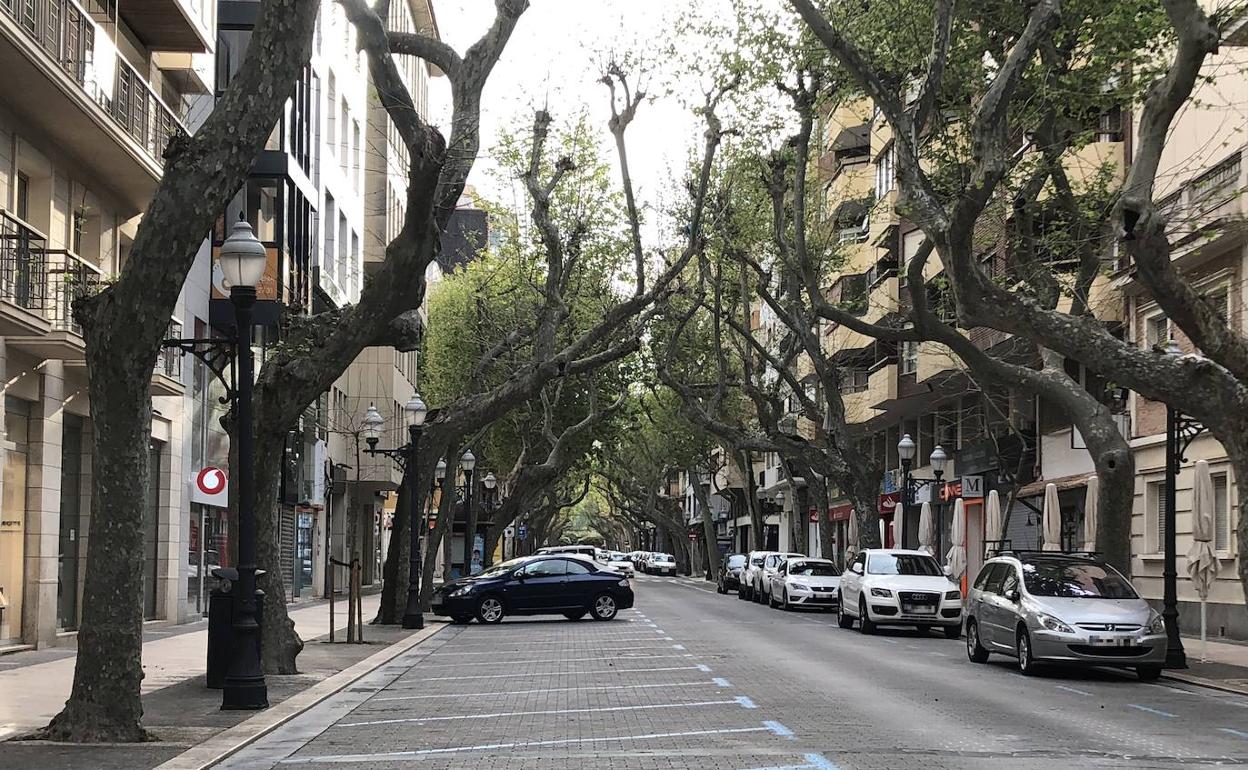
point(92, 93)
point(1009, 440)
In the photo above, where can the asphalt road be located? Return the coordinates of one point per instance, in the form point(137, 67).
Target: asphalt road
point(691, 679)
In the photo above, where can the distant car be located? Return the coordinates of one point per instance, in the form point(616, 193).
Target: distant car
point(622, 566)
point(749, 574)
point(1062, 608)
point(660, 564)
point(806, 582)
point(896, 587)
point(639, 559)
point(571, 586)
point(728, 578)
point(762, 592)
point(582, 550)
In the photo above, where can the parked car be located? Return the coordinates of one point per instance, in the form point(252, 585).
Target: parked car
point(762, 589)
point(571, 586)
point(639, 559)
point(622, 566)
point(805, 582)
point(896, 587)
point(660, 564)
point(729, 575)
point(750, 574)
point(1062, 608)
point(588, 551)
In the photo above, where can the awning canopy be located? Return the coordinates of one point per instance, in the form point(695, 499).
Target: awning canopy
point(854, 138)
point(851, 212)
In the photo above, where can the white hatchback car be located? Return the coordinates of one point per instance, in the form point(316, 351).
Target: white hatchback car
point(622, 566)
point(762, 577)
point(895, 587)
point(806, 582)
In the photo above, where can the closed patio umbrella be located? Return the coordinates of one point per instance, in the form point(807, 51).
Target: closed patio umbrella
point(1052, 515)
point(1202, 564)
point(1090, 513)
point(956, 556)
point(992, 520)
point(927, 529)
point(899, 528)
point(851, 539)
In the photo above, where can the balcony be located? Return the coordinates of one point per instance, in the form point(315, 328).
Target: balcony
point(167, 376)
point(92, 104)
point(164, 25)
point(38, 286)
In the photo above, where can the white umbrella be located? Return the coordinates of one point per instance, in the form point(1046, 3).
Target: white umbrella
point(1090, 513)
point(927, 529)
point(1052, 516)
point(1202, 565)
point(992, 519)
point(899, 528)
point(956, 557)
point(851, 539)
point(882, 531)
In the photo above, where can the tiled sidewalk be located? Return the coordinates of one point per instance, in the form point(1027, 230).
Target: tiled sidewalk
point(1225, 667)
point(31, 693)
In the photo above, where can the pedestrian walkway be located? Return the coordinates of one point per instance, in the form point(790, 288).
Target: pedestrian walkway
point(1225, 666)
point(30, 695)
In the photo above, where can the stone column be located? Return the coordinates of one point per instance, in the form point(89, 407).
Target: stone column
point(43, 507)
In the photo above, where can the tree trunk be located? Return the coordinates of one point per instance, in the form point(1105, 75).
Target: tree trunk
point(1115, 467)
point(389, 612)
point(710, 548)
point(757, 536)
point(446, 511)
point(280, 644)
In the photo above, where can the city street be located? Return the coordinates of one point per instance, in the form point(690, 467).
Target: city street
point(691, 679)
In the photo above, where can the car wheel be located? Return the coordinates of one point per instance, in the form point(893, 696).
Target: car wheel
point(864, 620)
point(1026, 659)
point(974, 650)
point(741, 592)
point(1148, 673)
point(574, 615)
point(604, 607)
point(784, 599)
point(461, 620)
point(760, 596)
point(843, 620)
point(719, 588)
point(490, 609)
point(771, 600)
point(953, 632)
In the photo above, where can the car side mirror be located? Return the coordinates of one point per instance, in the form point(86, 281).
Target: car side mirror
point(518, 575)
point(1012, 594)
point(856, 569)
point(948, 571)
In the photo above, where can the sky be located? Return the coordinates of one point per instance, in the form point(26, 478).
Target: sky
point(554, 60)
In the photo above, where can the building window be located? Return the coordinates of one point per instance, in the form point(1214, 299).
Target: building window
point(1155, 516)
point(23, 197)
point(885, 173)
point(331, 128)
point(909, 357)
point(1221, 513)
point(1217, 299)
point(1157, 331)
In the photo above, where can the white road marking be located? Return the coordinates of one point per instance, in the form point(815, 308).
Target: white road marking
point(553, 660)
point(1159, 713)
point(703, 669)
point(1232, 731)
point(546, 712)
point(719, 681)
point(715, 682)
point(596, 648)
point(391, 756)
point(1073, 689)
point(779, 730)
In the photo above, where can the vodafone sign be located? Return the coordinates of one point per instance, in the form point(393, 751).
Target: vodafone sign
point(211, 487)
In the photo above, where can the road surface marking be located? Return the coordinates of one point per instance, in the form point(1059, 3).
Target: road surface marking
point(892, 641)
point(1073, 689)
point(393, 756)
point(721, 682)
point(746, 703)
point(553, 660)
point(779, 730)
point(674, 647)
point(703, 669)
point(544, 712)
point(810, 762)
point(596, 648)
point(1232, 731)
point(1159, 713)
point(715, 682)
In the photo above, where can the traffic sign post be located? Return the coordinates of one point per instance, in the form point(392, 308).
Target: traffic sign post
point(523, 532)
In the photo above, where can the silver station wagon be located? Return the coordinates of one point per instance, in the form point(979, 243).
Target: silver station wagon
point(1062, 608)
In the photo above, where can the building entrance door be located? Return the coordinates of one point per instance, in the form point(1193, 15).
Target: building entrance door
point(13, 519)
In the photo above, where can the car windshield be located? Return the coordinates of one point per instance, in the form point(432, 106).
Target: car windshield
point(664, 558)
point(814, 569)
point(736, 561)
point(504, 568)
point(902, 564)
point(1077, 580)
point(757, 561)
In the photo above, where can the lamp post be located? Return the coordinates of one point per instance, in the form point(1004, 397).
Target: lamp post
point(1181, 431)
point(467, 463)
point(414, 412)
point(938, 460)
point(906, 450)
point(242, 259)
point(489, 482)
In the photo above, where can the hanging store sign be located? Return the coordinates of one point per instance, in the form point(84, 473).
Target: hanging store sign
point(211, 487)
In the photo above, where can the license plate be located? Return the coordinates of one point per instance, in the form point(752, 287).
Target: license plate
point(918, 609)
point(1110, 641)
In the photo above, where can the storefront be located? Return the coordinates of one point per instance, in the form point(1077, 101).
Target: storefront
point(888, 507)
point(840, 515)
point(13, 519)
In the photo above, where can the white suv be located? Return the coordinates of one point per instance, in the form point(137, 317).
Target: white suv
point(894, 587)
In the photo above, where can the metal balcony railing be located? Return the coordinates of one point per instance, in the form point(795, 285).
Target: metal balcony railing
point(169, 363)
point(68, 36)
point(42, 280)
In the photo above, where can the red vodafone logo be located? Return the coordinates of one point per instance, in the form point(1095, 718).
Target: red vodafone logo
point(211, 481)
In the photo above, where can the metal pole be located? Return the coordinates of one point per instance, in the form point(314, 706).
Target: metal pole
point(245, 687)
point(1175, 656)
point(903, 505)
point(469, 524)
point(940, 510)
point(412, 617)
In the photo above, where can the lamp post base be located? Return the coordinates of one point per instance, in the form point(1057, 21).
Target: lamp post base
point(251, 694)
point(414, 621)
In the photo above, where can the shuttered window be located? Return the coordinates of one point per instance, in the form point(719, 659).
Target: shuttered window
point(1221, 513)
point(1156, 516)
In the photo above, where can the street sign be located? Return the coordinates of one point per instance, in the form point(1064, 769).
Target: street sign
point(211, 487)
point(510, 531)
point(523, 532)
point(972, 486)
point(693, 535)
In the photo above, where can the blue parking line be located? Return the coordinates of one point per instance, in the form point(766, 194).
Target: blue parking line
point(809, 762)
point(746, 703)
point(779, 730)
point(1158, 712)
point(1233, 731)
point(721, 682)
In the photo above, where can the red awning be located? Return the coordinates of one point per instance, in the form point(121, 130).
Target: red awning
point(841, 512)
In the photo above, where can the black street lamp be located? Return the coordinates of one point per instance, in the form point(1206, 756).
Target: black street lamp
point(242, 259)
point(414, 411)
point(467, 463)
point(1181, 431)
point(906, 450)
